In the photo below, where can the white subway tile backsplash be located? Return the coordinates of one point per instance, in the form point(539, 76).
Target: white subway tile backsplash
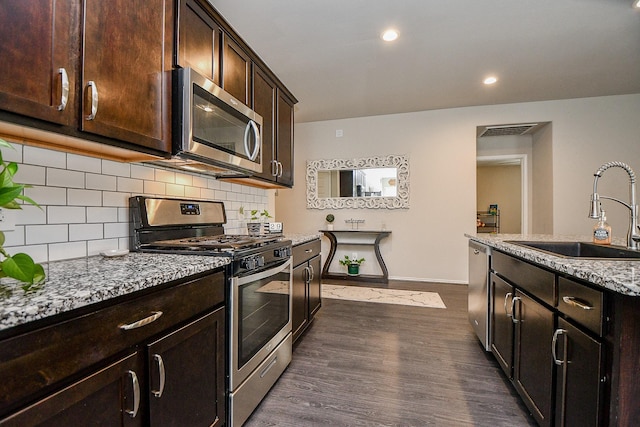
point(64, 178)
point(101, 214)
point(84, 197)
point(85, 201)
point(175, 190)
point(36, 234)
point(116, 229)
point(83, 163)
point(13, 154)
point(85, 232)
point(94, 247)
point(29, 174)
point(40, 156)
point(142, 172)
point(66, 214)
point(115, 199)
point(100, 182)
point(164, 175)
point(110, 167)
point(47, 195)
point(192, 192)
point(67, 250)
point(130, 185)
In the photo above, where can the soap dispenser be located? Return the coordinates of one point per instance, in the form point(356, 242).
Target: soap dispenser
point(602, 231)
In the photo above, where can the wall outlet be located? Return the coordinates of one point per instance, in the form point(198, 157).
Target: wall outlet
point(7, 219)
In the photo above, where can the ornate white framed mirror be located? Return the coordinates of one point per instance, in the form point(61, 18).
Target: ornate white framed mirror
point(369, 182)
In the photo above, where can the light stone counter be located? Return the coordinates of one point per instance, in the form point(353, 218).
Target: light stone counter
point(298, 239)
point(622, 276)
point(75, 283)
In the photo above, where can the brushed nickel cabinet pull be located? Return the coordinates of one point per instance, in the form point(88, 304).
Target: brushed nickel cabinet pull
point(506, 297)
point(514, 318)
point(94, 99)
point(311, 273)
point(577, 303)
point(64, 96)
point(274, 168)
point(280, 169)
point(554, 344)
point(142, 322)
point(161, 373)
point(136, 395)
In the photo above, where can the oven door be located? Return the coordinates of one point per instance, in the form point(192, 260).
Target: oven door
point(260, 318)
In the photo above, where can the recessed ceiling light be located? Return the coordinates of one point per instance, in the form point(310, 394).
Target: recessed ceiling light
point(391, 35)
point(491, 80)
point(636, 4)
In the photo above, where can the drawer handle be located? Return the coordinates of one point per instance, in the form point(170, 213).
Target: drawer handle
point(142, 322)
point(554, 344)
point(577, 303)
point(161, 372)
point(136, 395)
point(308, 251)
point(268, 368)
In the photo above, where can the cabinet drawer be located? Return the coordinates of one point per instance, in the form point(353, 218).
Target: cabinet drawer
point(305, 251)
point(582, 304)
point(536, 281)
point(34, 361)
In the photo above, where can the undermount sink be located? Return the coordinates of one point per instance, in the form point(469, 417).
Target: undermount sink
point(581, 250)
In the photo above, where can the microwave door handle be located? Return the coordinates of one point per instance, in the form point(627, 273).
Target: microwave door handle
point(256, 149)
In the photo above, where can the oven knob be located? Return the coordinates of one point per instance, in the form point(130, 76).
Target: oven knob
point(260, 261)
point(282, 252)
point(248, 263)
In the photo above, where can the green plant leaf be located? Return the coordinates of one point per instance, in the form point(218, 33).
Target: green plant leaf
point(26, 199)
point(20, 267)
point(2, 238)
point(9, 194)
point(5, 144)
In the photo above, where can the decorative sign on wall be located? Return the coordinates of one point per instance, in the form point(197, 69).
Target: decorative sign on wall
point(370, 182)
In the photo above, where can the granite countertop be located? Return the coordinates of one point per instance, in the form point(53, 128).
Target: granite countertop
point(298, 239)
point(75, 283)
point(621, 276)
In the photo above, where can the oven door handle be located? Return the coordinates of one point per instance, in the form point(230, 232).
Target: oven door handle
point(262, 274)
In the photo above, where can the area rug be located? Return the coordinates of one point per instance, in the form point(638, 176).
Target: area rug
point(384, 296)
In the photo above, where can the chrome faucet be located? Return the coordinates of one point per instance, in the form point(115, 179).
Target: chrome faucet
point(633, 235)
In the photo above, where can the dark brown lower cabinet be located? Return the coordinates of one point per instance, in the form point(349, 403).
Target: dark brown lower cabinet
point(501, 324)
point(579, 372)
point(104, 398)
point(532, 363)
point(306, 298)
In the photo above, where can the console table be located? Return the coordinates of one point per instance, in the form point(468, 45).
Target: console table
point(358, 238)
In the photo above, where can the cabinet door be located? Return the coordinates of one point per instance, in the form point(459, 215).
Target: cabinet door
point(284, 132)
point(264, 103)
point(198, 40)
point(236, 70)
point(315, 300)
point(187, 374)
point(108, 397)
point(39, 52)
point(125, 84)
point(579, 367)
point(533, 365)
point(299, 300)
point(501, 323)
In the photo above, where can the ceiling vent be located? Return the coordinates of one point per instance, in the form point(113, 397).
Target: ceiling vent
point(507, 130)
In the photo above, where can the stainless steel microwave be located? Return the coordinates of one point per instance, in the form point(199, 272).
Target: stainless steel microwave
point(213, 132)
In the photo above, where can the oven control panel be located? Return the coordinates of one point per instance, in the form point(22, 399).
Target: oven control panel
point(252, 262)
point(284, 252)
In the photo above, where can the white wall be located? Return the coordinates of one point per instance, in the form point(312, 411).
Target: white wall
point(84, 201)
point(427, 241)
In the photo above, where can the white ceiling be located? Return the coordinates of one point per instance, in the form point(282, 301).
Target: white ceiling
point(330, 55)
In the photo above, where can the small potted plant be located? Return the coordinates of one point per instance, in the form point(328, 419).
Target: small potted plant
point(353, 264)
point(330, 218)
point(256, 221)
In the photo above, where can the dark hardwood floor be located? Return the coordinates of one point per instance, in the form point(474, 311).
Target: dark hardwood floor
point(369, 364)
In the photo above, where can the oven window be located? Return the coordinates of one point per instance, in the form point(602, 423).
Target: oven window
point(218, 125)
point(263, 310)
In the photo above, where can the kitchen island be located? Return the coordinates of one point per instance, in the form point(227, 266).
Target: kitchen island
point(566, 330)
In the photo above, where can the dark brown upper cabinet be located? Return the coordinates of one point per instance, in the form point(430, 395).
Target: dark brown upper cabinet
point(198, 40)
point(125, 83)
point(264, 103)
point(39, 62)
point(285, 139)
point(236, 70)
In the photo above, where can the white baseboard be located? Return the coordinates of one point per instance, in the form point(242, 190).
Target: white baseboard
point(422, 279)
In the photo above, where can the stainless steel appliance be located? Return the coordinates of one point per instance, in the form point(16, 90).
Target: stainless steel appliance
point(259, 289)
point(214, 133)
point(480, 292)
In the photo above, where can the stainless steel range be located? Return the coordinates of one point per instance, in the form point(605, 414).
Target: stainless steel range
point(259, 289)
